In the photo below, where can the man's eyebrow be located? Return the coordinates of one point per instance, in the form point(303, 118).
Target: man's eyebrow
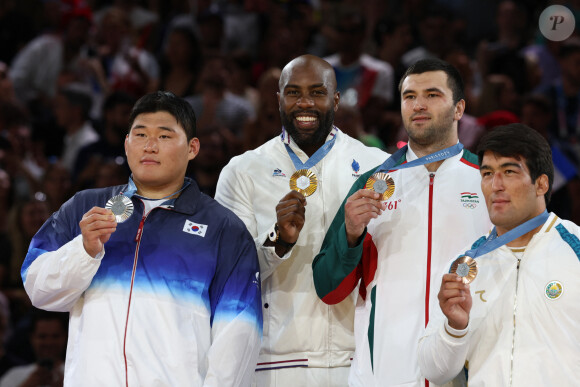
point(504, 165)
point(511, 164)
point(313, 86)
point(159, 127)
point(429, 90)
point(435, 89)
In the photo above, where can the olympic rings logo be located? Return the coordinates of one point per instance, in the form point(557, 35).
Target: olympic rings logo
point(470, 205)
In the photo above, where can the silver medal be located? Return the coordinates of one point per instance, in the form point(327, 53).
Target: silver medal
point(121, 206)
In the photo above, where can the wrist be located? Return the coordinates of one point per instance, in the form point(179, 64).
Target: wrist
point(274, 237)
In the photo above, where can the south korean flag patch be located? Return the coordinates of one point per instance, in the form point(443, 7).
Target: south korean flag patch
point(195, 228)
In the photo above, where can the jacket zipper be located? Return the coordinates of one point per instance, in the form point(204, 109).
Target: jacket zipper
point(135, 258)
point(429, 240)
point(514, 321)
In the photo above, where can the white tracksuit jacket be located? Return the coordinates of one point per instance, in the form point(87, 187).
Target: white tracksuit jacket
point(299, 329)
point(430, 217)
point(524, 325)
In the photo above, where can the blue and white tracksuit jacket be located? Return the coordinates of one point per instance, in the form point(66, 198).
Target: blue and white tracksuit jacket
point(173, 301)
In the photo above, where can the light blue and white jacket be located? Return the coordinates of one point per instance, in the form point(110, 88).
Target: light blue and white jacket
point(173, 301)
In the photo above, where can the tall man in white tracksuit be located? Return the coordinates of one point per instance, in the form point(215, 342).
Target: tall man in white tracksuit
point(287, 192)
point(516, 322)
point(391, 247)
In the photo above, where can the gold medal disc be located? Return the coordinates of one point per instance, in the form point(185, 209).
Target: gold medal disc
point(382, 183)
point(304, 181)
point(465, 267)
point(121, 206)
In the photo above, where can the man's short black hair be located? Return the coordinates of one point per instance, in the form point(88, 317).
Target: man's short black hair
point(165, 101)
point(454, 80)
point(519, 140)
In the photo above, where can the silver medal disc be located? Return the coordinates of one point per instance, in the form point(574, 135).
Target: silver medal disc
point(121, 206)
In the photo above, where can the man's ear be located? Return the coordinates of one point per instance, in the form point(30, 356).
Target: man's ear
point(542, 185)
point(459, 109)
point(193, 148)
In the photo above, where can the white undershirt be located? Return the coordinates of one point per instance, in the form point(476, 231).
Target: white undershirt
point(151, 203)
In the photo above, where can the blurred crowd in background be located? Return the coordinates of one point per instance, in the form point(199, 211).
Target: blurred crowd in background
point(71, 70)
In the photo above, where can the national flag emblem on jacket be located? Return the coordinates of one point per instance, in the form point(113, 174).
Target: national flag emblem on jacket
point(195, 228)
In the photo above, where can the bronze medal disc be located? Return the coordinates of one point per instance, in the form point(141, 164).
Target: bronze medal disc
point(304, 181)
point(465, 267)
point(121, 206)
point(381, 183)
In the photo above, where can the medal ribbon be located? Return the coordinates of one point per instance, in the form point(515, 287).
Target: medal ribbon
point(315, 158)
point(493, 241)
point(431, 158)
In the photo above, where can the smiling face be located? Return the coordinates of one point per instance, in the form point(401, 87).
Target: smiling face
point(158, 153)
point(308, 100)
point(429, 114)
point(510, 194)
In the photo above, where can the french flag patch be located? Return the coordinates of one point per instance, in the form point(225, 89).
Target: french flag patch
point(195, 228)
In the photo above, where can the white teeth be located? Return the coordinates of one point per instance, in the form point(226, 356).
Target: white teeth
point(305, 119)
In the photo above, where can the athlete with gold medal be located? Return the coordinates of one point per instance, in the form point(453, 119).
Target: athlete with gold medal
point(287, 191)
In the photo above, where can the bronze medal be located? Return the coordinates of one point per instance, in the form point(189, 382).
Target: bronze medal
point(465, 267)
point(381, 183)
point(121, 206)
point(304, 181)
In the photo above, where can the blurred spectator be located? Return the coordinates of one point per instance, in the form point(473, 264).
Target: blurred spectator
point(142, 20)
point(470, 74)
point(358, 75)
point(212, 157)
point(48, 336)
point(21, 159)
point(498, 92)
point(56, 185)
point(436, 35)
point(240, 78)
point(393, 37)
point(72, 106)
point(469, 131)
point(6, 86)
point(110, 147)
point(210, 23)
point(7, 359)
point(348, 118)
point(565, 92)
point(214, 104)
point(25, 219)
point(503, 55)
point(6, 203)
point(125, 64)
point(110, 174)
point(180, 62)
point(546, 56)
point(537, 111)
point(37, 68)
point(241, 28)
point(267, 123)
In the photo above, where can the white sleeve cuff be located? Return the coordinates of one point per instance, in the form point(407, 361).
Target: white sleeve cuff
point(454, 334)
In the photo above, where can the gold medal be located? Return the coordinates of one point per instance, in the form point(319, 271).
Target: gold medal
point(382, 183)
point(121, 206)
point(304, 181)
point(465, 267)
